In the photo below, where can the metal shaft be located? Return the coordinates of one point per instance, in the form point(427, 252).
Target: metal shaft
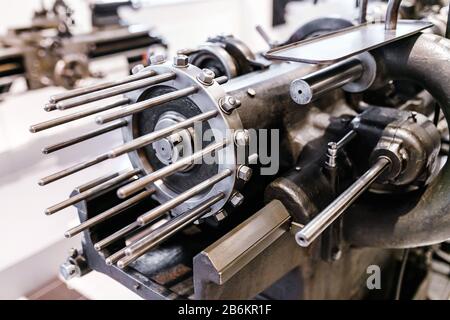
point(105, 85)
point(392, 14)
point(75, 116)
point(159, 211)
point(92, 191)
point(87, 136)
point(143, 105)
point(312, 86)
point(110, 92)
point(346, 139)
point(115, 257)
point(154, 136)
point(324, 219)
point(168, 170)
point(109, 213)
point(116, 236)
point(166, 231)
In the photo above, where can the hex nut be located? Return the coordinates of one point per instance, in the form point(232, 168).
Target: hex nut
point(229, 103)
point(181, 61)
point(244, 173)
point(206, 77)
point(237, 199)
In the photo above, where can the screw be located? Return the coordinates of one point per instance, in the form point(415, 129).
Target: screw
point(251, 92)
point(73, 253)
point(157, 59)
point(242, 138)
point(229, 103)
point(137, 68)
point(221, 215)
point(237, 199)
point(181, 61)
point(244, 173)
point(206, 77)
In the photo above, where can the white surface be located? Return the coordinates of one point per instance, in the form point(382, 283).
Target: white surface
point(97, 286)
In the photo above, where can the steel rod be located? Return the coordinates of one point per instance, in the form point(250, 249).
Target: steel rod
point(105, 85)
point(143, 105)
point(154, 136)
point(76, 116)
point(116, 236)
point(325, 218)
point(392, 14)
point(108, 213)
point(125, 191)
point(110, 92)
point(174, 202)
point(166, 231)
point(92, 191)
point(84, 137)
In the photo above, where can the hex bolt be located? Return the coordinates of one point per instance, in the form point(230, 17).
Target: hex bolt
point(221, 215)
point(181, 61)
point(206, 77)
point(229, 103)
point(157, 59)
point(137, 68)
point(241, 138)
point(244, 173)
point(237, 199)
point(68, 271)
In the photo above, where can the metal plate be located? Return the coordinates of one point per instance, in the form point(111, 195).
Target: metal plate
point(345, 43)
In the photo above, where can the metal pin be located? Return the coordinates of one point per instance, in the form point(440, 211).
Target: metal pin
point(92, 191)
point(168, 170)
point(75, 116)
point(115, 257)
point(166, 231)
point(221, 79)
point(50, 107)
point(346, 139)
point(108, 213)
point(74, 169)
point(110, 92)
point(116, 236)
point(105, 85)
point(154, 136)
point(84, 137)
point(143, 105)
point(157, 212)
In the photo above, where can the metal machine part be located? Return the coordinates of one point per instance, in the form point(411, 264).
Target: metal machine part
point(179, 226)
point(47, 53)
point(225, 56)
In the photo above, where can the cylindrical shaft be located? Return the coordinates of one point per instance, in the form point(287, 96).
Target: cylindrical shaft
point(324, 219)
point(115, 257)
point(92, 191)
point(346, 139)
point(125, 191)
point(74, 169)
point(392, 14)
point(154, 136)
point(77, 115)
point(174, 202)
point(105, 85)
point(166, 231)
point(320, 82)
point(143, 105)
point(363, 11)
point(108, 213)
point(116, 236)
point(110, 92)
point(84, 137)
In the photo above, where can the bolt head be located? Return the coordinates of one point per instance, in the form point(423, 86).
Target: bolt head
point(237, 199)
point(242, 138)
point(229, 103)
point(68, 271)
point(221, 215)
point(244, 173)
point(137, 68)
point(181, 61)
point(157, 59)
point(206, 77)
point(73, 253)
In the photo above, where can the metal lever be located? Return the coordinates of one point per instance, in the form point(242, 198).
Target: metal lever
point(324, 219)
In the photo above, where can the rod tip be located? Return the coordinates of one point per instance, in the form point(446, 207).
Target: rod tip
point(32, 129)
point(48, 212)
point(42, 183)
point(67, 235)
point(45, 151)
point(141, 221)
point(99, 120)
point(122, 194)
point(121, 264)
point(50, 107)
point(108, 262)
point(97, 247)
